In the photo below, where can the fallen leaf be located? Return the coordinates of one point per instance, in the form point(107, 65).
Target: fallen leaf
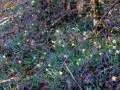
point(9, 5)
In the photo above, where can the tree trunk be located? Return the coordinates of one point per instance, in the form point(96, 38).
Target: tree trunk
point(95, 11)
point(96, 14)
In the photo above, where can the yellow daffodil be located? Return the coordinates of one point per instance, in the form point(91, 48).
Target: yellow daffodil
point(117, 51)
point(99, 46)
point(79, 59)
point(53, 45)
point(18, 43)
point(53, 41)
point(63, 45)
point(46, 70)
point(25, 31)
point(34, 57)
point(109, 51)
point(60, 73)
point(59, 41)
point(114, 47)
point(65, 56)
point(91, 55)
point(32, 2)
point(72, 44)
point(84, 38)
point(49, 65)
point(83, 50)
point(114, 41)
point(84, 33)
point(4, 56)
point(77, 63)
point(57, 31)
point(33, 24)
point(95, 43)
point(114, 78)
point(38, 65)
point(19, 62)
point(44, 53)
point(100, 53)
point(27, 40)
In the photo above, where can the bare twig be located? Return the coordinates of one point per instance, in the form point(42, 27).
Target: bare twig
point(108, 68)
point(112, 6)
point(60, 18)
point(7, 33)
point(8, 80)
point(72, 76)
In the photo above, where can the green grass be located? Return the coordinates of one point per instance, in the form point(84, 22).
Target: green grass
point(37, 66)
point(57, 59)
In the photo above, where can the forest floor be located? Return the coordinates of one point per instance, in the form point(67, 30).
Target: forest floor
point(57, 59)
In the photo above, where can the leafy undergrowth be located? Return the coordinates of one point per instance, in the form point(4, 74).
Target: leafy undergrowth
point(56, 59)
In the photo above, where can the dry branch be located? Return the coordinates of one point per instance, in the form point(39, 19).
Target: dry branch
point(8, 80)
point(99, 22)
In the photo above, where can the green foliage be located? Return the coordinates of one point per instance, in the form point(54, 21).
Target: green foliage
point(58, 57)
point(5, 27)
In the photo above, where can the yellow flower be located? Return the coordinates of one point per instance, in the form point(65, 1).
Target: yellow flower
point(117, 51)
point(38, 65)
point(109, 51)
point(4, 56)
point(53, 45)
point(59, 41)
point(79, 59)
point(49, 65)
point(19, 62)
point(44, 53)
point(84, 33)
point(63, 45)
point(33, 24)
point(95, 43)
point(27, 40)
point(57, 31)
point(46, 70)
point(100, 53)
point(32, 2)
point(114, 41)
point(34, 57)
point(65, 56)
point(99, 46)
point(114, 47)
point(25, 31)
point(114, 78)
point(60, 73)
point(91, 55)
point(18, 43)
point(77, 63)
point(53, 41)
point(72, 44)
point(84, 38)
point(83, 50)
